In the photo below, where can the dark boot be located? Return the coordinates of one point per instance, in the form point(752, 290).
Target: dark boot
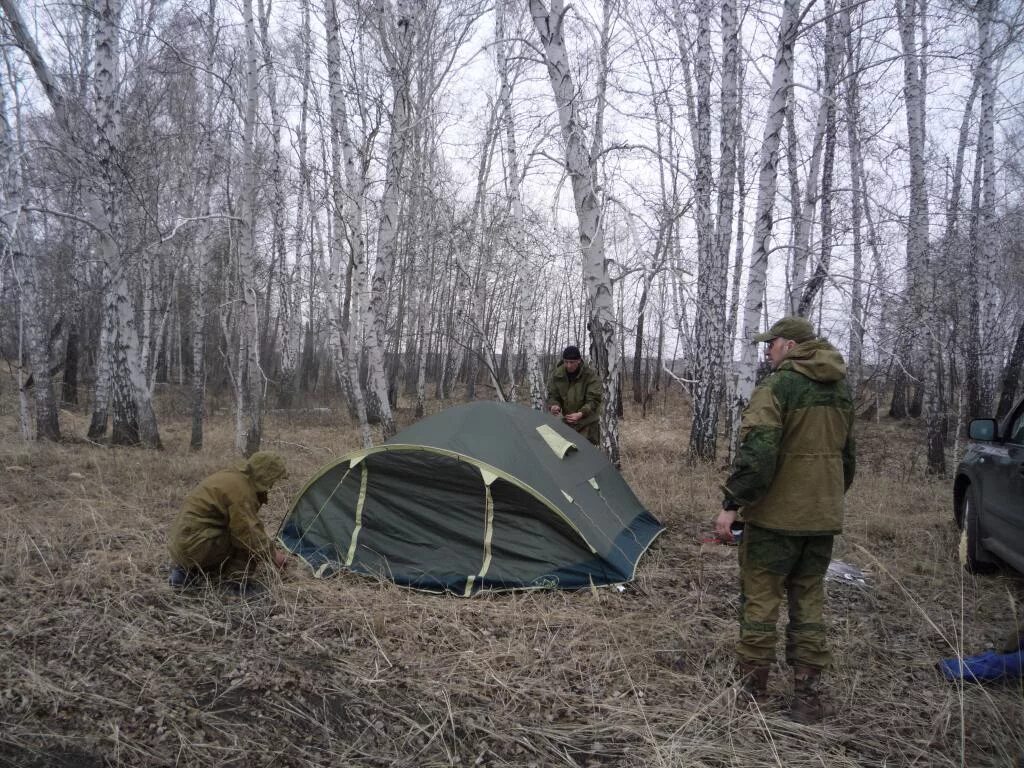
point(182, 578)
point(753, 678)
point(808, 704)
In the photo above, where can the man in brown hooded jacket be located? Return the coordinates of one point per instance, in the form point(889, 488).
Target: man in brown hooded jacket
point(218, 532)
point(794, 464)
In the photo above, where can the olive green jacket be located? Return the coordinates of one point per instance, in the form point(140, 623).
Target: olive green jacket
point(796, 458)
point(583, 394)
point(219, 520)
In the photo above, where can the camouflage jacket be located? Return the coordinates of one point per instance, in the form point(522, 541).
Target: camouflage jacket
point(796, 458)
point(582, 394)
point(225, 506)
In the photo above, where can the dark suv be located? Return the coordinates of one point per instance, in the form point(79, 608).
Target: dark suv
point(988, 493)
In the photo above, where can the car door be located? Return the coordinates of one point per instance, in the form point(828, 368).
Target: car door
point(1003, 485)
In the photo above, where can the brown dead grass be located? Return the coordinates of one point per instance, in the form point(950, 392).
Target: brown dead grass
point(100, 664)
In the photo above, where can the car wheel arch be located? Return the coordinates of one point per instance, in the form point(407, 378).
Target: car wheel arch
point(960, 488)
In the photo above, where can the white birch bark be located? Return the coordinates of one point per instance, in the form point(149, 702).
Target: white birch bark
point(200, 256)
point(478, 348)
point(730, 42)
point(753, 305)
point(32, 326)
point(160, 336)
point(278, 252)
point(712, 275)
point(528, 298)
point(910, 16)
point(98, 422)
point(348, 189)
point(833, 68)
point(396, 37)
point(292, 293)
point(131, 389)
point(855, 359)
point(580, 163)
point(248, 374)
point(988, 243)
point(804, 209)
point(35, 334)
point(99, 197)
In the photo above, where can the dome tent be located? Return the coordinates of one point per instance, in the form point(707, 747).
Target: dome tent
point(480, 496)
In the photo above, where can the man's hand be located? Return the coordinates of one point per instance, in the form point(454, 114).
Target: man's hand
point(280, 559)
point(572, 418)
point(723, 524)
point(555, 410)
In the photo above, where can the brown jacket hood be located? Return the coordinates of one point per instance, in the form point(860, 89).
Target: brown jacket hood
point(264, 468)
point(817, 360)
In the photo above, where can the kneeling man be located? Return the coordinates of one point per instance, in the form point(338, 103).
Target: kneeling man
point(218, 534)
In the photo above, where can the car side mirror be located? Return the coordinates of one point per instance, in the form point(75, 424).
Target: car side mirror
point(982, 429)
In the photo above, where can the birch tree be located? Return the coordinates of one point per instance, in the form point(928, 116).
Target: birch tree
point(25, 270)
point(913, 37)
point(348, 192)
point(134, 418)
point(581, 166)
point(514, 171)
point(753, 305)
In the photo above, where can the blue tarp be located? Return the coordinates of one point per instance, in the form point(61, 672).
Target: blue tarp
point(985, 666)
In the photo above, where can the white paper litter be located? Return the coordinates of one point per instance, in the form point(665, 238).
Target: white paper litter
point(845, 573)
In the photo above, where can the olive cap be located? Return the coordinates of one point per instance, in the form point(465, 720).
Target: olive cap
point(797, 329)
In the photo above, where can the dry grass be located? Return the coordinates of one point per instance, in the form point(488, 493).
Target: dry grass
point(101, 664)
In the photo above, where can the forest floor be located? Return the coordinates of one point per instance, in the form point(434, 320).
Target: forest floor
point(102, 664)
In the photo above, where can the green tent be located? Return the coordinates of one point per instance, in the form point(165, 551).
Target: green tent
point(480, 496)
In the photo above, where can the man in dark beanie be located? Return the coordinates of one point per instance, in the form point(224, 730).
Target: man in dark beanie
point(574, 393)
point(794, 464)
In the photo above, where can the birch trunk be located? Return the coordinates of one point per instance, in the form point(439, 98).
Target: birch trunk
point(200, 256)
point(985, 305)
point(950, 245)
point(35, 332)
point(732, 420)
point(580, 164)
point(753, 304)
point(712, 276)
point(398, 58)
point(32, 324)
point(910, 16)
point(833, 66)
point(291, 289)
point(478, 347)
point(101, 388)
point(134, 418)
point(528, 298)
point(198, 312)
point(278, 254)
point(348, 190)
point(855, 361)
point(248, 374)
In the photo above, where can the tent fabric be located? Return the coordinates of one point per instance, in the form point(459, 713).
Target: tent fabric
point(482, 496)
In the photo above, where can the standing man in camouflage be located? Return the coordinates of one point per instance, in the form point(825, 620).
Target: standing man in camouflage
point(574, 393)
point(794, 465)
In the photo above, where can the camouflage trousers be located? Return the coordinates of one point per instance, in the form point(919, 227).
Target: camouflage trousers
point(216, 558)
point(591, 431)
point(774, 566)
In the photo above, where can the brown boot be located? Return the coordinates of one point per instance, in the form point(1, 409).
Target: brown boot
point(808, 705)
point(753, 678)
